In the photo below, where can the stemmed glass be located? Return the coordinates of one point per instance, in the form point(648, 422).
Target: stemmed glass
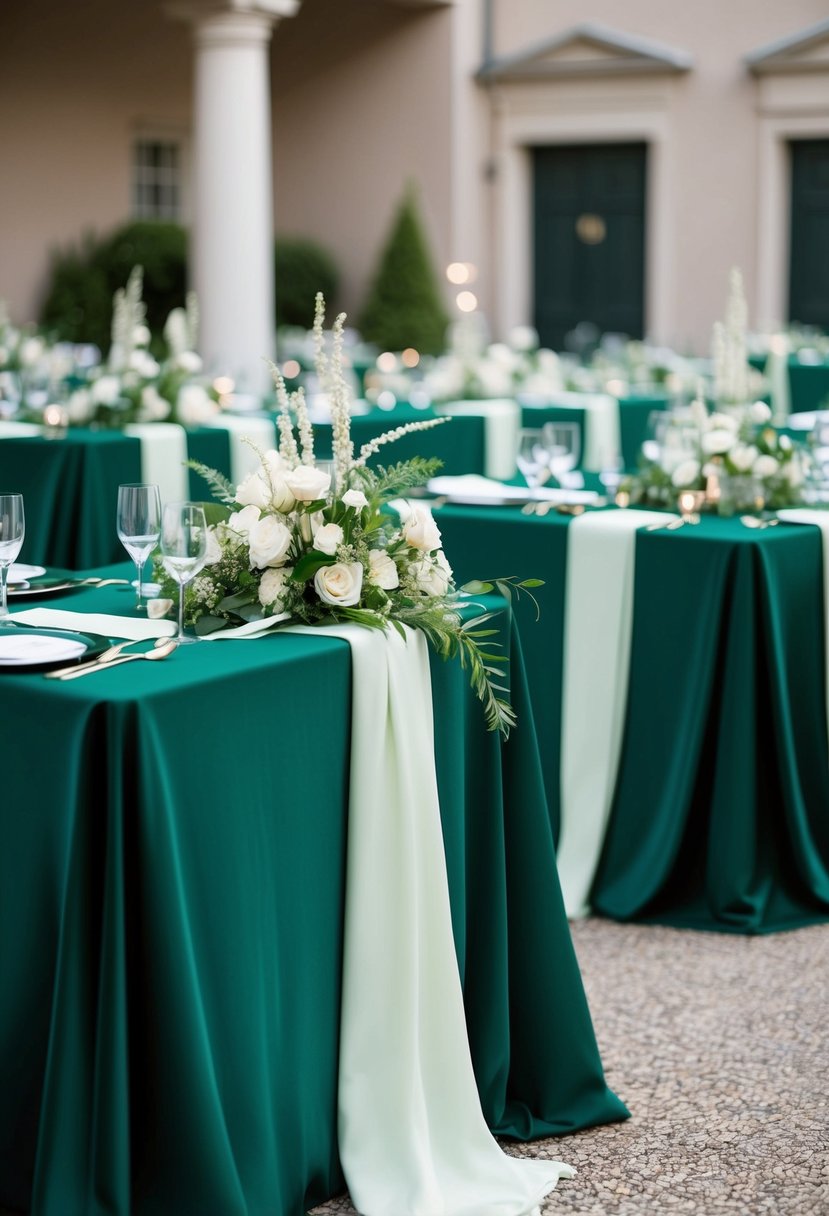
point(532, 457)
point(183, 550)
point(562, 442)
point(12, 531)
point(139, 525)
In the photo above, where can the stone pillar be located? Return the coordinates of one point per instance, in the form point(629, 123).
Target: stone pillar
point(231, 252)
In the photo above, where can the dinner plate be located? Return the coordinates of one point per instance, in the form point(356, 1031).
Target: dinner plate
point(42, 588)
point(24, 648)
point(19, 572)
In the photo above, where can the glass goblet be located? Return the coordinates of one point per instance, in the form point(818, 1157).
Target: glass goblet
point(562, 442)
point(183, 550)
point(139, 525)
point(12, 531)
point(532, 457)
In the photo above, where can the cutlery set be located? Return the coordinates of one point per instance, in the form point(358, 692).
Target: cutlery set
point(162, 647)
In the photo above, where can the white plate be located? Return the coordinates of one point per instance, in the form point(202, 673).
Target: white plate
point(27, 649)
point(20, 573)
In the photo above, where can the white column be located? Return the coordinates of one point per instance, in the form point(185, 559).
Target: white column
point(232, 240)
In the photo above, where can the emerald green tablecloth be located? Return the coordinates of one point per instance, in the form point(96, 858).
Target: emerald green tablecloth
point(70, 489)
point(720, 818)
point(171, 894)
point(808, 383)
point(459, 443)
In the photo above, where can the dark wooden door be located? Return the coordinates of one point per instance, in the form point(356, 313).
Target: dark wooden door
point(809, 265)
point(589, 239)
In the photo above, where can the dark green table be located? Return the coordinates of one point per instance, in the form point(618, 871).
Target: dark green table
point(808, 383)
point(459, 444)
point(70, 489)
point(721, 813)
point(171, 896)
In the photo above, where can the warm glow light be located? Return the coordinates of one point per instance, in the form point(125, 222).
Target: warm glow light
point(466, 301)
point(687, 501)
point(223, 385)
point(290, 368)
point(54, 415)
point(387, 362)
point(457, 272)
point(410, 357)
point(386, 400)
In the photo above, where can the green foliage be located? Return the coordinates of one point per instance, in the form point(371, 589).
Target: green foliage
point(78, 304)
point(301, 269)
point(404, 307)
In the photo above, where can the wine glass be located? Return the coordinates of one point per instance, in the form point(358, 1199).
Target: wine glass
point(139, 525)
point(12, 531)
point(562, 442)
point(183, 550)
point(532, 457)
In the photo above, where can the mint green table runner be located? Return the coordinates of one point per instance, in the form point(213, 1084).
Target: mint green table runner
point(170, 929)
point(70, 489)
point(723, 782)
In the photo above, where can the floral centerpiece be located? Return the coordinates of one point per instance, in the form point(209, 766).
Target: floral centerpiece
point(133, 386)
point(311, 543)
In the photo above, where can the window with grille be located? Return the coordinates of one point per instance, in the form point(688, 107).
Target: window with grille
point(157, 184)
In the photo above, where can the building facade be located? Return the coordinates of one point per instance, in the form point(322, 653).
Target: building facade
point(608, 166)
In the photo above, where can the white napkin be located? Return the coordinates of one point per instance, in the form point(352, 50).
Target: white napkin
point(243, 458)
point(820, 519)
point(136, 629)
point(163, 458)
point(253, 629)
point(471, 485)
point(18, 430)
point(502, 419)
point(412, 1136)
point(598, 624)
point(26, 648)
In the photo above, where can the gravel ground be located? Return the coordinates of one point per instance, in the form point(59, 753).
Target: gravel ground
point(719, 1045)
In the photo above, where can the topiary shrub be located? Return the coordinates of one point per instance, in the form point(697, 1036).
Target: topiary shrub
point(78, 304)
point(404, 307)
point(301, 269)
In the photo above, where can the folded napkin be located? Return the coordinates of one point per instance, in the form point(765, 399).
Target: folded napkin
point(163, 458)
point(253, 629)
point(598, 624)
point(25, 648)
point(502, 419)
point(135, 629)
point(471, 485)
point(243, 457)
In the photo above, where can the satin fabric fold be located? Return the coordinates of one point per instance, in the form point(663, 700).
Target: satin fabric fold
point(413, 1140)
point(163, 457)
point(502, 419)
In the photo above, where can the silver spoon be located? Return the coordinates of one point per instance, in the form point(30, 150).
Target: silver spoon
point(160, 652)
point(106, 657)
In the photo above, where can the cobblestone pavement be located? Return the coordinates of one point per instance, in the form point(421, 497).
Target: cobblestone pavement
point(719, 1045)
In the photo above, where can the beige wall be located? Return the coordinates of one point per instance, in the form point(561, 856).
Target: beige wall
point(711, 135)
point(77, 81)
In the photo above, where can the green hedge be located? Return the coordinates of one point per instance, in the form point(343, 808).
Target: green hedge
point(78, 304)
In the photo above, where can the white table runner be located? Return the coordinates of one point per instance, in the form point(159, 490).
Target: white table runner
point(136, 629)
point(502, 419)
point(163, 457)
point(820, 519)
point(243, 458)
point(598, 624)
point(413, 1140)
point(18, 430)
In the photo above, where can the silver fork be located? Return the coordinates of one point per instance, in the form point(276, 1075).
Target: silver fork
point(108, 655)
point(168, 645)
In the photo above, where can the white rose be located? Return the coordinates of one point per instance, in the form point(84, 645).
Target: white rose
point(141, 335)
point(685, 473)
point(194, 404)
point(724, 422)
point(759, 412)
point(30, 351)
point(523, 337)
point(273, 473)
point(154, 407)
point(718, 442)
point(308, 483)
point(765, 466)
point(272, 587)
point(794, 473)
point(340, 584)
point(254, 491)
point(433, 574)
point(141, 361)
point(420, 530)
point(106, 390)
point(382, 570)
point(241, 522)
point(188, 361)
point(80, 406)
point(214, 548)
point(269, 542)
point(328, 538)
point(743, 457)
point(355, 499)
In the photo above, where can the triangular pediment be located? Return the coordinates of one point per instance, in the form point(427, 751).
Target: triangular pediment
point(806, 51)
point(589, 49)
